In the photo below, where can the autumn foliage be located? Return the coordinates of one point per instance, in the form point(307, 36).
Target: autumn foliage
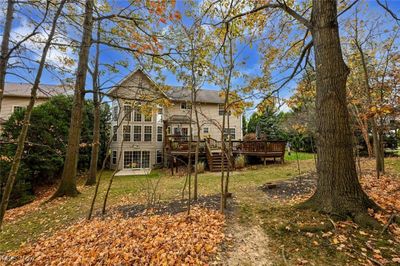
point(144, 240)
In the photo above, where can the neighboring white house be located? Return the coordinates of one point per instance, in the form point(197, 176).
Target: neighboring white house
point(141, 137)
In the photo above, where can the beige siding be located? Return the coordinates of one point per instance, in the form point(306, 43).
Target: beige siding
point(209, 118)
point(9, 102)
point(138, 86)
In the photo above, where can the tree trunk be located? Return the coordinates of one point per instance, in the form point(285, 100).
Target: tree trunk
point(338, 189)
point(27, 117)
point(4, 47)
point(96, 117)
point(67, 186)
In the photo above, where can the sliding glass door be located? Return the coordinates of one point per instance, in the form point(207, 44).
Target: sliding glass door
point(136, 159)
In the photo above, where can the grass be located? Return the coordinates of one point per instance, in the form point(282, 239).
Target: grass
point(130, 189)
point(300, 155)
point(253, 209)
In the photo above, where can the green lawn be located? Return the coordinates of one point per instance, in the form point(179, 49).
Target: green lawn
point(253, 209)
point(59, 213)
point(300, 155)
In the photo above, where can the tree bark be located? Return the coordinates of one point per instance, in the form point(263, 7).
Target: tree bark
point(27, 117)
point(4, 47)
point(67, 186)
point(96, 117)
point(338, 189)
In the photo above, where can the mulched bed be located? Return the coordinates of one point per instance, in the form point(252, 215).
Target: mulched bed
point(292, 188)
point(173, 207)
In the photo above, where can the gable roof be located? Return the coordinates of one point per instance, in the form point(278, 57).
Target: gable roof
point(45, 91)
point(176, 93)
point(182, 94)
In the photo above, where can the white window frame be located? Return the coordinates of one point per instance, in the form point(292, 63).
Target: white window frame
point(206, 130)
point(128, 117)
point(159, 155)
point(137, 134)
point(137, 110)
point(17, 106)
point(114, 157)
point(126, 134)
point(159, 134)
point(226, 131)
point(115, 113)
point(144, 133)
point(115, 133)
point(185, 106)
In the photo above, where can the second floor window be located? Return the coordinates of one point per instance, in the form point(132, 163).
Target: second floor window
point(128, 112)
point(159, 133)
point(221, 109)
point(137, 133)
point(147, 117)
point(115, 113)
point(185, 106)
point(231, 132)
point(147, 133)
point(18, 108)
point(115, 133)
point(138, 116)
point(205, 130)
point(127, 133)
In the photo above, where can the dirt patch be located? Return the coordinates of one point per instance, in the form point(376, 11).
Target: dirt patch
point(173, 207)
point(292, 188)
point(248, 245)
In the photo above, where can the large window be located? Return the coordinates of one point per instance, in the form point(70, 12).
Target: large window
point(127, 133)
point(115, 133)
point(115, 113)
point(145, 159)
point(138, 115)
point(137, 133)
point(148, 117)
point(159, 115)
point(147, 133)
point(128, 112)
point(159, 158)
point(137, 159)
point(159, 133)
point(231, 132)
point(114, 157)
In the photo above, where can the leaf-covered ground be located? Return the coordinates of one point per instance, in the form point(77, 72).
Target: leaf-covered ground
point(259, 230)
point(144, 240)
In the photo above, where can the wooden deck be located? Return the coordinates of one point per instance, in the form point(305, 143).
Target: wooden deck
point(211, 149)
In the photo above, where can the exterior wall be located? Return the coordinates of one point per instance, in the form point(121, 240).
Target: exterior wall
point(138, 86)
point(128, 90)
point(209, 118)
point(8, 103)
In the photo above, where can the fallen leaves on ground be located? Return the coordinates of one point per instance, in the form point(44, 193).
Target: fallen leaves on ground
point(41, 195)
point(155, 240)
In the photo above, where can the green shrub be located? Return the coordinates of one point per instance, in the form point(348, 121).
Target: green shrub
point(240, 162)
point(47, 138)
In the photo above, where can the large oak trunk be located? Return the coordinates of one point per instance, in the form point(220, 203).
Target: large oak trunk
point(338, 189)
point(67, 186)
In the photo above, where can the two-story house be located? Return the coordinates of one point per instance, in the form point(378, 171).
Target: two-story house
point(138, 138)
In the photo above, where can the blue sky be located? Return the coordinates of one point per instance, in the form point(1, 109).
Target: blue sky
point(250, 54)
